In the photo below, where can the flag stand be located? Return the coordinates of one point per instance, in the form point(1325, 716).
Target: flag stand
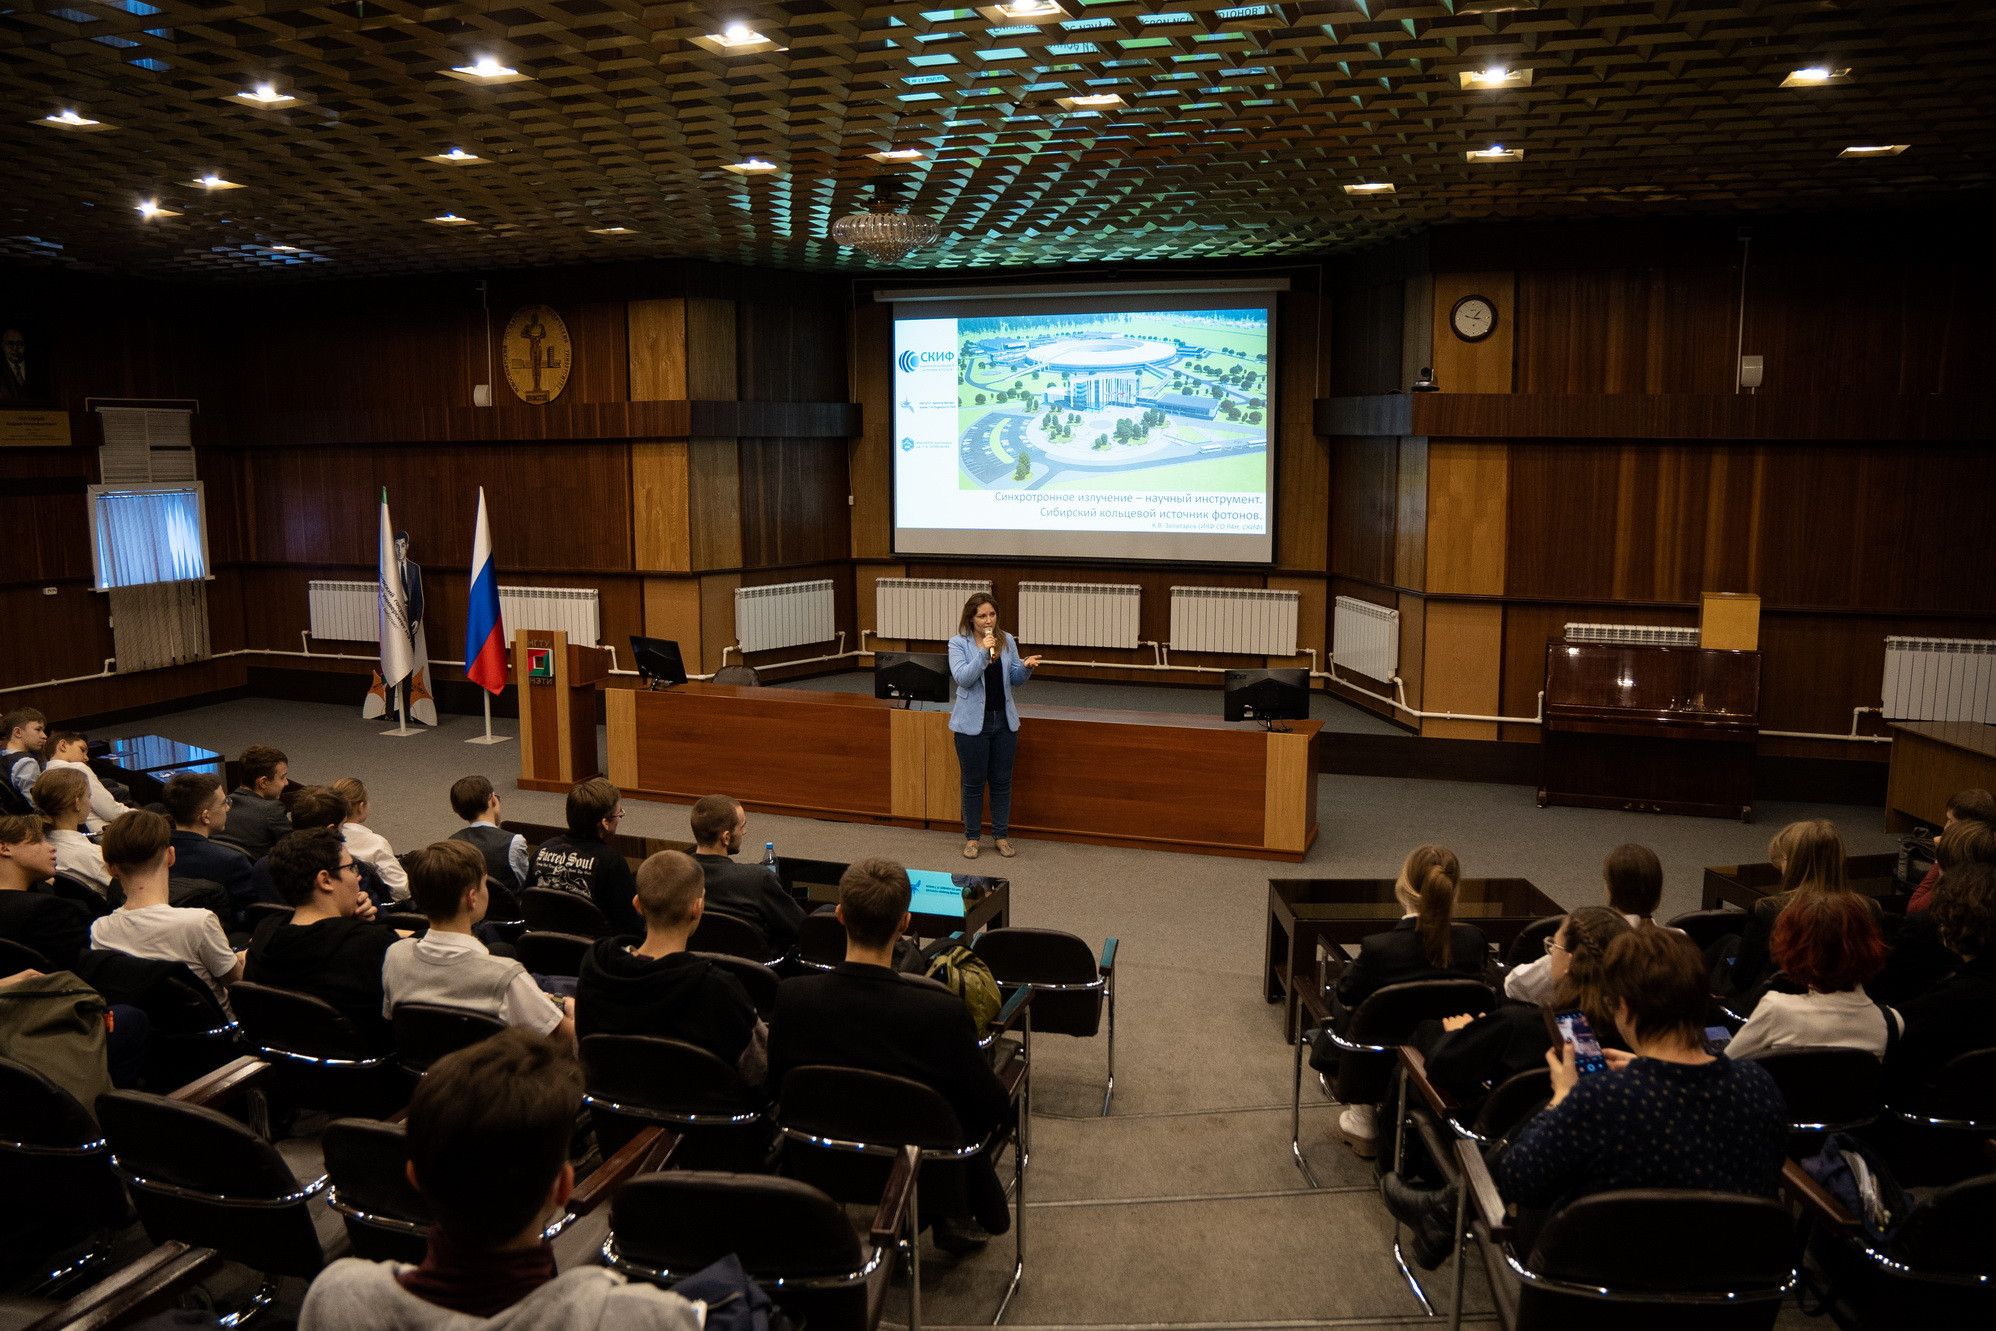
point(488, 737)
point(403, 731)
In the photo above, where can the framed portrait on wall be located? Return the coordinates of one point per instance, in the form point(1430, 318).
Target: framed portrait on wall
point(25, 377)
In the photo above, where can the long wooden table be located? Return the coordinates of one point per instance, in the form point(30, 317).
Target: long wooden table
point(1153, 780)
point(1931, 760)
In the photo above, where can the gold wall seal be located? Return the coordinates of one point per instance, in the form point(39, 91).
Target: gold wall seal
point(538, 354)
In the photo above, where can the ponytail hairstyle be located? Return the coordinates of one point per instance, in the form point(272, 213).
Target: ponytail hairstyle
point(1588, 931)
point(1810, 856)
point(1427, 888)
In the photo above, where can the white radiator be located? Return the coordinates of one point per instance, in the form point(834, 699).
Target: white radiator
point(1080, 614)
point(1634, 635)
point(1241, 621)
point(1366, 638)
point(921, 609)
point(1940, 679)
point(785, 614)
point(347, 611)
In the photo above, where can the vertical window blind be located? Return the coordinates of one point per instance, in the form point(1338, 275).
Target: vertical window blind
point(144, 534)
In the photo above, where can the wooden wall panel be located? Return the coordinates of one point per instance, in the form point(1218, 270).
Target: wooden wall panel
point(1365, 480)
point(1300, 505)
point(1626, 330)
point(672, 611)
point(1474, 367)
point(714, 502)
point(870, 457)
point(1462, 666)
point(791, 353)
point(1832, 327)
point(711, 369)
point(660, 531)
point(1410, 520)
point(655, 334)
point(1366, 332)
point(793, 501)
point(1468, 488)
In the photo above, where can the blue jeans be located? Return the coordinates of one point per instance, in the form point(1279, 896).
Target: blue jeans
point(987, 759)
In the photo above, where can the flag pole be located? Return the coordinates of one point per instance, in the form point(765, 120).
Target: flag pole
point(488, 737)
point(402, 730)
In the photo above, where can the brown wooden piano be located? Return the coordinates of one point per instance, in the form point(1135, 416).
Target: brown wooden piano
point(1663, 729)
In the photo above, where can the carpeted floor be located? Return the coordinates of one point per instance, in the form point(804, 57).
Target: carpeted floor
point(1182, 1209)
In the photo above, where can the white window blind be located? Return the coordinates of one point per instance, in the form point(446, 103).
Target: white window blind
point(143, 534)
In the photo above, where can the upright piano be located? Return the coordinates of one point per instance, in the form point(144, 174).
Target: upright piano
point(1662, 729)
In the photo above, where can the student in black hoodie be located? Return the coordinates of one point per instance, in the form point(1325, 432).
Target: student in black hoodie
point(582, 861)
point(332, 945)
point(656, 987)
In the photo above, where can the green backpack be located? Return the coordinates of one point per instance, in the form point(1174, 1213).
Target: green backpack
point(964, 974)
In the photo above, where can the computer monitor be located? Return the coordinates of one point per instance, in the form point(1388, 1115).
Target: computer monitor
point(658, 661)
point(914, 676)
point(1267, 696)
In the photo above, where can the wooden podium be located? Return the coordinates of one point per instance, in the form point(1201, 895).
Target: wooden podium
point(557, 688)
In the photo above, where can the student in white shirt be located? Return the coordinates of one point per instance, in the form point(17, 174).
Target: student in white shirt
point(70, 750)
point(63, 797)
point(367, 844)
point(139, 850)
point(448, 966)
point(1633, 878)
point(1828, 944)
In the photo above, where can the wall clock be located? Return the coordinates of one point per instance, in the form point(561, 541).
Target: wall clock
point(1473, 318)
point(538, 354)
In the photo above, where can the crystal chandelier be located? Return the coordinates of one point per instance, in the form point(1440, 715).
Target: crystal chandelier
point(885, 230)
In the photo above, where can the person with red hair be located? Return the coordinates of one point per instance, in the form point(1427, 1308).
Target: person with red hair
point(1830, 944)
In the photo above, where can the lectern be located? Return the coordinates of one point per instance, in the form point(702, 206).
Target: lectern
point(557, 688)
point(1663, 729)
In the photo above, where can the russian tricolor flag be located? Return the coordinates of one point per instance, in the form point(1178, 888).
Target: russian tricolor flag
point(484, 634)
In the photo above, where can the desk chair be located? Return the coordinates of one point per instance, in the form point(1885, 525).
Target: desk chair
point(546, 953)
point(759, 980)
point(321, 1059)
point(719, 931)
point(632, 1082)
point(425, 1032)
point(204, 894)
point(1071, 989)
point(502, 909)
point(1640, 1259)
point(1938, 1268)
point(551, 910)
point(821, 941)
point(199, 1176)
point(1940, 1133)
point(80, 892)
point(60, 1202)
point(792, 1239)
point(136, 1291)
point(15, 957)
point(1530, 944)
point(257, 912)
point(191, 1032)
point(1706, 927)
point(1827, 1089)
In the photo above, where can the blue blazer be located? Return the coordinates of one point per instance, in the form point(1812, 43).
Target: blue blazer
point(966, 665)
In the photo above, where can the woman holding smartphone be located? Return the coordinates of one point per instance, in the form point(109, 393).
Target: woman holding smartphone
point(984, 660)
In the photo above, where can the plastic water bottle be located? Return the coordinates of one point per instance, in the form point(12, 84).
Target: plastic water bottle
point(769, 856)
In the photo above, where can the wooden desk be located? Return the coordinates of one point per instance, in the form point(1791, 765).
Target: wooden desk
point(1743, 884)
point(1931, 760)
point(1146, 779)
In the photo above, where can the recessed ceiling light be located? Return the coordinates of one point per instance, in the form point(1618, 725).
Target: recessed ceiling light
point(264, 95)
point(486, 70)
point(1032, 12)
point(898, 155)
point(1815, 77)
point(283, 249)
point(611, 231)
point(150, 208)
point(737, 39)
point(455, 157)
point(1495, 76)
point(1091, 101)
point(1875, 150)
point(213, 181)
point(754, 166)
point(70, 119)
point(1370, 187)
point(451, 219)
point(1495, 153)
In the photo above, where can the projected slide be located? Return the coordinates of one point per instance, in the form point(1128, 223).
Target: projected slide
point(1128, 425)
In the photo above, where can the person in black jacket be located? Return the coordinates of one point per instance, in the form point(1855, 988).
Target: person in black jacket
point(583, 862)
point(867, 1015)
point(746, 890)
point(332, 946)
point(1958, 1014)
point(257, 817)
point(1918, 961)
point(654, 986)
point(200, 811)
point(29, 915)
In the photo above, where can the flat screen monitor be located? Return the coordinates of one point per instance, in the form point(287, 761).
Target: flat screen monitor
point(1267, 695)
point(916, 676)
point(658, 661)
point(933, 893)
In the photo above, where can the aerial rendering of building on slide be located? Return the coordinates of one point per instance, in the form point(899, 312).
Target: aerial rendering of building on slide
point(1172, 400)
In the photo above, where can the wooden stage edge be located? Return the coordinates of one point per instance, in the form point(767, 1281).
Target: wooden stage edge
point(1020, 833)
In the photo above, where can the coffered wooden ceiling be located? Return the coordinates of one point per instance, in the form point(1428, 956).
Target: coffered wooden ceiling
point(1238, 129)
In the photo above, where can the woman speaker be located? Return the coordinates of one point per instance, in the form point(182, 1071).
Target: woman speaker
point(985, 662)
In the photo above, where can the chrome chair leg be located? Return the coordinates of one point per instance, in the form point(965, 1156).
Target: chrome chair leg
point(1110, 1092)
point(1296, 1115)
point(1018, 1231)
point(1399, 1162)
point(259, 1303)
point(1461, 1243)
point(915, 1259)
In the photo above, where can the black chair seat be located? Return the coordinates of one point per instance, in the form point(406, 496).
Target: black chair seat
point(15, 957)
point(1706, 927)
point(366, 1166)
point(81, 893)
point(191, 1033)
point(1827, 1089)
point(1667, 1240)
point(1387, 1019)
point(719, 931)
point(257, 912)
point(551, 910)
point(57, 1186)
point(821, 941)
point(322, 1058)
point(545, 953)
point(1530, 944)
point(634, 1081)
point(425, 1032)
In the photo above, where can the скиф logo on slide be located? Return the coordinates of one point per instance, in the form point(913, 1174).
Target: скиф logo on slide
point(910, 361)
point(907, 362)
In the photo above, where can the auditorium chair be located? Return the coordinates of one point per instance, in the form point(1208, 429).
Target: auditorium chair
point(135, 1292)
point(201, 1177)
point(821, 941)
point(845, 1131)
point(791, 1239)
point(1940, 1133)
point(1938, 1268)
point(551, 910)
point(543, 952)
point(740, 676)
point(257, 912)
point(1071, 988)
point(425, 1032)
point(80, 892)
point(204, 894)
point(60, 1201)
point(1828, 1088)
point(386, 1219)
point(1706, 927)
point(719, 931)
point(502, 909)
point(759, 980)
point(321, 1058)
point(635, 1081)
point(17, 957)
point(414, 924)
point(191, 1032)
point(1530, 944)
point(1638, 1259)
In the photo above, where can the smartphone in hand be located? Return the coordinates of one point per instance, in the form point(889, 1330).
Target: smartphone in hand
point(1574, 1028)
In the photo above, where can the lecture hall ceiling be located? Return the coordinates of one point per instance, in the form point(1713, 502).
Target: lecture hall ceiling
point(1237, 129)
